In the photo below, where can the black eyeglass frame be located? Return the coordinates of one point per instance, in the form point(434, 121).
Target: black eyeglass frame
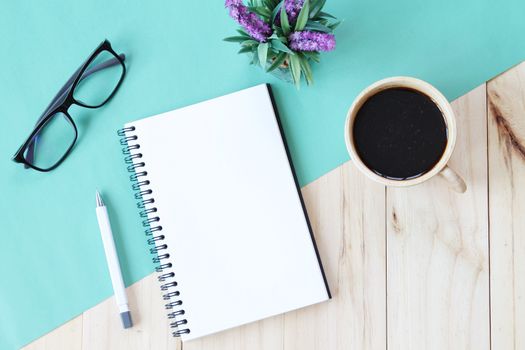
point(64, 99)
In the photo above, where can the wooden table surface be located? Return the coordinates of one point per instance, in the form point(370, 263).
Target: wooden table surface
point(410, 268)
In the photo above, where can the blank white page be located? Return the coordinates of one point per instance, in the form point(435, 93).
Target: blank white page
point(231, 213)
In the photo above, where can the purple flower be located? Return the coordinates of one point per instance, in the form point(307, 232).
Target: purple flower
point(311, 41)
point(256, 27)
point(293, 7)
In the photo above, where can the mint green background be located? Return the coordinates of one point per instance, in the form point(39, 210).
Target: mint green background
point(51, 261)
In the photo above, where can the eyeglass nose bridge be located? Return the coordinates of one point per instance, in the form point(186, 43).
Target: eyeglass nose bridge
point(64, 108)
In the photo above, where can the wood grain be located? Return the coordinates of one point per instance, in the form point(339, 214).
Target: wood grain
point(438, 283)
point(408, 268)
point(347, 214)
point(265, 334)
point(506, 127)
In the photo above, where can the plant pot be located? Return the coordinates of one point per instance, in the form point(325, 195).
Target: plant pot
point(282, 72)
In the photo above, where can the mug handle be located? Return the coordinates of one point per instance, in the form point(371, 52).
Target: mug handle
point(455, 181)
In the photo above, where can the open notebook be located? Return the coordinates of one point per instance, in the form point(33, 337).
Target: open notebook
point(224, 215)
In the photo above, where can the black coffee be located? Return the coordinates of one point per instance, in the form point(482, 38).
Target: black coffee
point(400, 133)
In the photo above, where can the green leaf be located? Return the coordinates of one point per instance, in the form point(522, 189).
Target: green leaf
point(262, 51)
point(316, 8)
point(275, 11)
point(279, 46)
point(261, 11)
point(317, 27)
point(285, 25)
point(271, 4)
point(278, 61)
point(313, 55)
point(250, 43)
point(236, 39)
point(295, 66)
point(307, 70)
point(334, 25)
point(326, 15)
point(278, 32)
point(245, 49)
point(243, 33)
point(303, 16)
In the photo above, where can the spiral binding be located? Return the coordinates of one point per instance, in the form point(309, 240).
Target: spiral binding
point(151, 223)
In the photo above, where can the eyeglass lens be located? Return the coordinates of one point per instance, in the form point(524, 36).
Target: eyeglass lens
point(99, 80)
point(51, 142)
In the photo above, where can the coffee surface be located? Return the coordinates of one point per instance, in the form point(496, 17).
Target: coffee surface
point(400, 133)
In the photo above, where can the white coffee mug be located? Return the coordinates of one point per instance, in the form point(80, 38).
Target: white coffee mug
point(440, 168)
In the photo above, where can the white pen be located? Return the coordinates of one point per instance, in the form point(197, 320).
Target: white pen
point(113, 264)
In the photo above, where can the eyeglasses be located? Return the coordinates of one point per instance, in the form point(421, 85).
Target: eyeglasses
point(55, 132)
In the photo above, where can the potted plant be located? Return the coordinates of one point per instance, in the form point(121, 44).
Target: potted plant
point(283, 36)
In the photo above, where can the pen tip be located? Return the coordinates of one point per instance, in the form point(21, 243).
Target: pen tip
point(100, 203)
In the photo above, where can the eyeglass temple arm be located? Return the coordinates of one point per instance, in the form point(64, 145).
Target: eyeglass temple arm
point(58, 97)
